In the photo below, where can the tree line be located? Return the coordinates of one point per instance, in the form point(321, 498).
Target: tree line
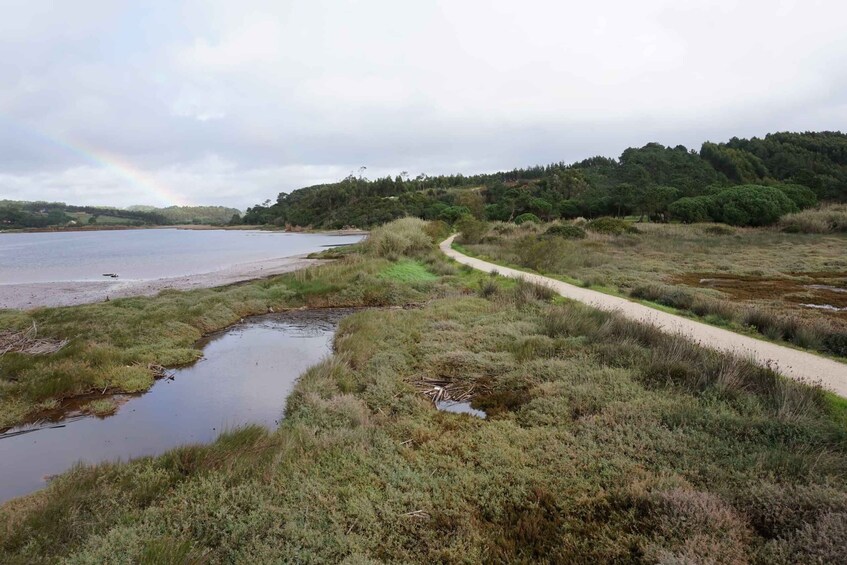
point(742, 181)
point(24, 214)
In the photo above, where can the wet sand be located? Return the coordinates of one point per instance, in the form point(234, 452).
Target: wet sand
point(68, 293)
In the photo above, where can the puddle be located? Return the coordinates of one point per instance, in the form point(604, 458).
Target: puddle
point(825, 287)
point(459, 408)
point(827, 307)
point(244, 377)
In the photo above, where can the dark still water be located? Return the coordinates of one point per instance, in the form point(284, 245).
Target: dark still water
point(245, 376)
point(145, 254)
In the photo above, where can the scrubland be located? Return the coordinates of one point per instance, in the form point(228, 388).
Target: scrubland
point(789, 287)
point(606, 440)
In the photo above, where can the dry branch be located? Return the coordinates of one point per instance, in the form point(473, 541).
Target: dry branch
point(438, 390)
point(28, 342)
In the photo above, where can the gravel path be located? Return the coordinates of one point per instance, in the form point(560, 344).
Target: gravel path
point(790, 362)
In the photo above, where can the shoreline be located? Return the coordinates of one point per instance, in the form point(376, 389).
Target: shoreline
point(198, 227)
point(28, 296)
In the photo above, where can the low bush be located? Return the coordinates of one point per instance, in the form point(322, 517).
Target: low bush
point(572, 321)
point(406, 236)
point(718, 229)
point(488, 288)
point(527, 217)
point(526, 292)
point(567, 231)
point(437, 230)
point(667, 295)
point(611, 226)
point(470, 229)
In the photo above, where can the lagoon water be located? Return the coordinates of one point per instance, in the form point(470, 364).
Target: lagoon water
point(244, 377)
point(145, 254)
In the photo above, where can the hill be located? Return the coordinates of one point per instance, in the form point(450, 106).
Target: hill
point(644, 181)
point(24, 214)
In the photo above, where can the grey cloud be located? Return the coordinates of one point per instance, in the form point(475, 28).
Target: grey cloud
point(233, 102)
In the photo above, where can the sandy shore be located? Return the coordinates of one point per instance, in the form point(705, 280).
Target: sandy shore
point(69, 293)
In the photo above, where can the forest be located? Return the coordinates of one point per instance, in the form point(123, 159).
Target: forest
point(740, 182)
point(42, 215)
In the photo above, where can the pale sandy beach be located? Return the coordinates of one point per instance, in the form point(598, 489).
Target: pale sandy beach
point(68, 293)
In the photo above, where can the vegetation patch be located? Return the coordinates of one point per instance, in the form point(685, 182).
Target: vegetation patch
point(567, 231)
point(785, 287)
point(408, 272)
point(827, 219)
point(611, 226)
point(606, 441)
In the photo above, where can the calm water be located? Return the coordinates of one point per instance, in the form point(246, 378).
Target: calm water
point(144, 254)
point(244, 378)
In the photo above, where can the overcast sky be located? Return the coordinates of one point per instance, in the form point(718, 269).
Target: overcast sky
point(212, 102)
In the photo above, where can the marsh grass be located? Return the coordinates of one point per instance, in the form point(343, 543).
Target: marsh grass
point(110, 347)
point(606, 441)
point(580, 461)
point(768, 275)
point(826, 219)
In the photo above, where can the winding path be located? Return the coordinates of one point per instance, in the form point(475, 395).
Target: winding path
point(790, 362)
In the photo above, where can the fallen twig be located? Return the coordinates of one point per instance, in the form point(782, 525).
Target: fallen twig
point(28, 342)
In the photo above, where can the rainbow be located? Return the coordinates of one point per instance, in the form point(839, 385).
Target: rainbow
point(121, 168)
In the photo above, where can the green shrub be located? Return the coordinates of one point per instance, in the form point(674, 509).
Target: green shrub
point(751, 205)
point(667, 295)
point(612, 226)
point(527, 218)
point(470, 229)
point(802, 196)
point(567, 231)
point(542, 254)
point(437, 230)
point(690, 210)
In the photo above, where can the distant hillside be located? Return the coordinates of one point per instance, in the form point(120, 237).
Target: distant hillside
point(23, 214)
point(206, 215)
point(645, 180)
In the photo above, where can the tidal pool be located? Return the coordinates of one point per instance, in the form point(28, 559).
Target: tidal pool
point(459, 408)
point(244, 377)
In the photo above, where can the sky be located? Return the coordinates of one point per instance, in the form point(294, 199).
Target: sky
point(107, 102)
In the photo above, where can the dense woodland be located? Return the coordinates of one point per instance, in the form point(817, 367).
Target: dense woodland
point(23, 215)
point(742, 182)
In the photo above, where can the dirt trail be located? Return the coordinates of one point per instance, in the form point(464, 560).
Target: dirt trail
point(789, 362)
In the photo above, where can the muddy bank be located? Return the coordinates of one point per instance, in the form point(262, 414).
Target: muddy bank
point(68, 293)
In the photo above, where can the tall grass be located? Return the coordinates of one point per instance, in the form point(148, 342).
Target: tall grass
point(826, 219)
point(687, 456)
point(406, 236)
point(663, 452)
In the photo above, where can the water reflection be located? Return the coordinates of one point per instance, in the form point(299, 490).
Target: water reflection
point(244, 378)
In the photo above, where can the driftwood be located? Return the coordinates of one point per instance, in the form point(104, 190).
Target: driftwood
point(438, 390)
point(28, 342)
